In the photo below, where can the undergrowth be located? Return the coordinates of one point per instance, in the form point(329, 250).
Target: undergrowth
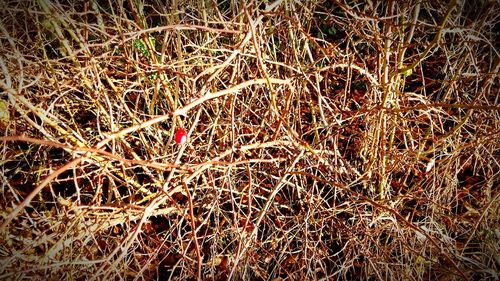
point(332, 140)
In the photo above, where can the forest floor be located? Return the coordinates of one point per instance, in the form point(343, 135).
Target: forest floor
point(326, 140)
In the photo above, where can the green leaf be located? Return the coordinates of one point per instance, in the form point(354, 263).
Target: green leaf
point(140, 45)
point(153, 76)
point(408, 72)
point(4, 112)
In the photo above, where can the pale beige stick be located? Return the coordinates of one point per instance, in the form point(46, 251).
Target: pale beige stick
point(263, 212)
point(184, 110)
point(156, 165)
point(33, 193)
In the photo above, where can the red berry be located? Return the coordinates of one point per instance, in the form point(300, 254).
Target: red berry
point(181, 136)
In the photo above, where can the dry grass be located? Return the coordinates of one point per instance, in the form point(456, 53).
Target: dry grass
point(327, 140)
